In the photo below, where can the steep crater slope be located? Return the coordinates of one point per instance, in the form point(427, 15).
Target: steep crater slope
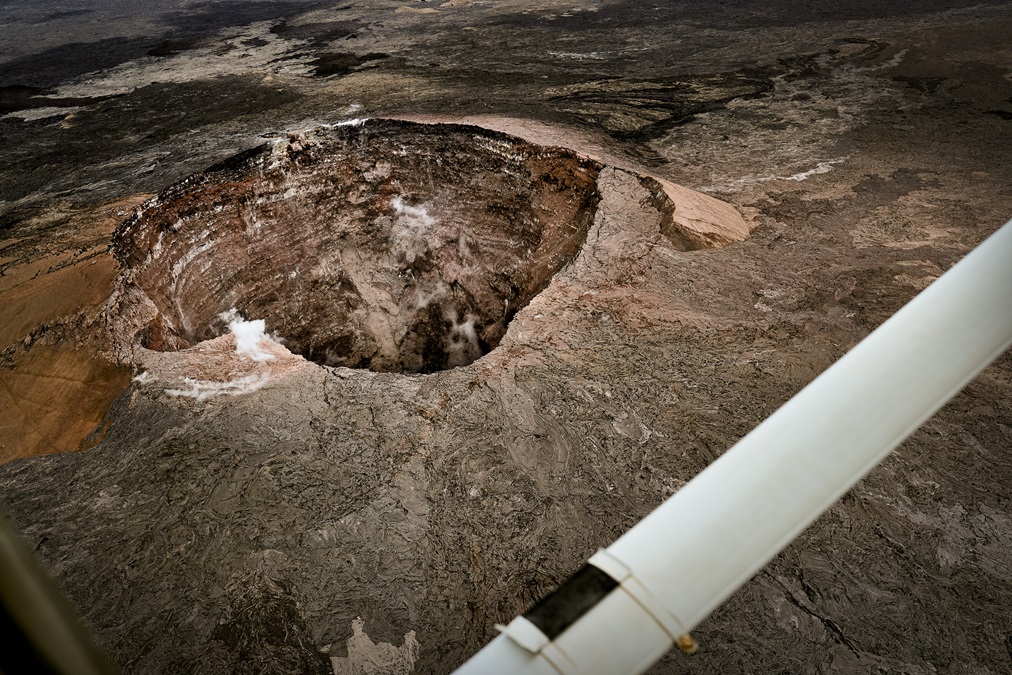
point(386, 245)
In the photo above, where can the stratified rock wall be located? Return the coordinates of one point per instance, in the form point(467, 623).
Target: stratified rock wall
point(385, 245)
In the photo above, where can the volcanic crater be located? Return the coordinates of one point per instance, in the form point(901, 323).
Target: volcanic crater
point(382, 244)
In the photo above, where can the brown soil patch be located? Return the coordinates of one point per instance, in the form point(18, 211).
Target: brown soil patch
point(54, 382)
point(42, 292)
point(55, 398)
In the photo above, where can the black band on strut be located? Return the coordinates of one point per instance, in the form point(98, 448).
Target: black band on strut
point(574, 598)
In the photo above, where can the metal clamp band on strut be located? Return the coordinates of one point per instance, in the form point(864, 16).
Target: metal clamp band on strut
point(537, 630)
point(644, 597)
point(530, 637)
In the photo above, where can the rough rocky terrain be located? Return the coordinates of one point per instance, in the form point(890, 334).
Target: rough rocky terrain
point(227, 514)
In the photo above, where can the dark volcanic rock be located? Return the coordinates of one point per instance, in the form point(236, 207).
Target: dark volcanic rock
point(341, 63)
point(231, 515)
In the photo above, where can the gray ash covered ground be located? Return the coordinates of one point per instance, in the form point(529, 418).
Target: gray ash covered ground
point(867, 142)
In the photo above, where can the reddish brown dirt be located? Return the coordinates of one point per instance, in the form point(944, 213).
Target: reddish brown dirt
point(55, 398)
point(57, 376)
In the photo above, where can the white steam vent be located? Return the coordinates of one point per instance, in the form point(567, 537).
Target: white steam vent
point(248, 335)
point(411, 229)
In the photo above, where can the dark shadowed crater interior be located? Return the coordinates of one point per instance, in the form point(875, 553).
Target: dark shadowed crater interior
point(385, 245)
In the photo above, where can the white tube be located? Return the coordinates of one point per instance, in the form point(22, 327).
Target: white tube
point(684, 559)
